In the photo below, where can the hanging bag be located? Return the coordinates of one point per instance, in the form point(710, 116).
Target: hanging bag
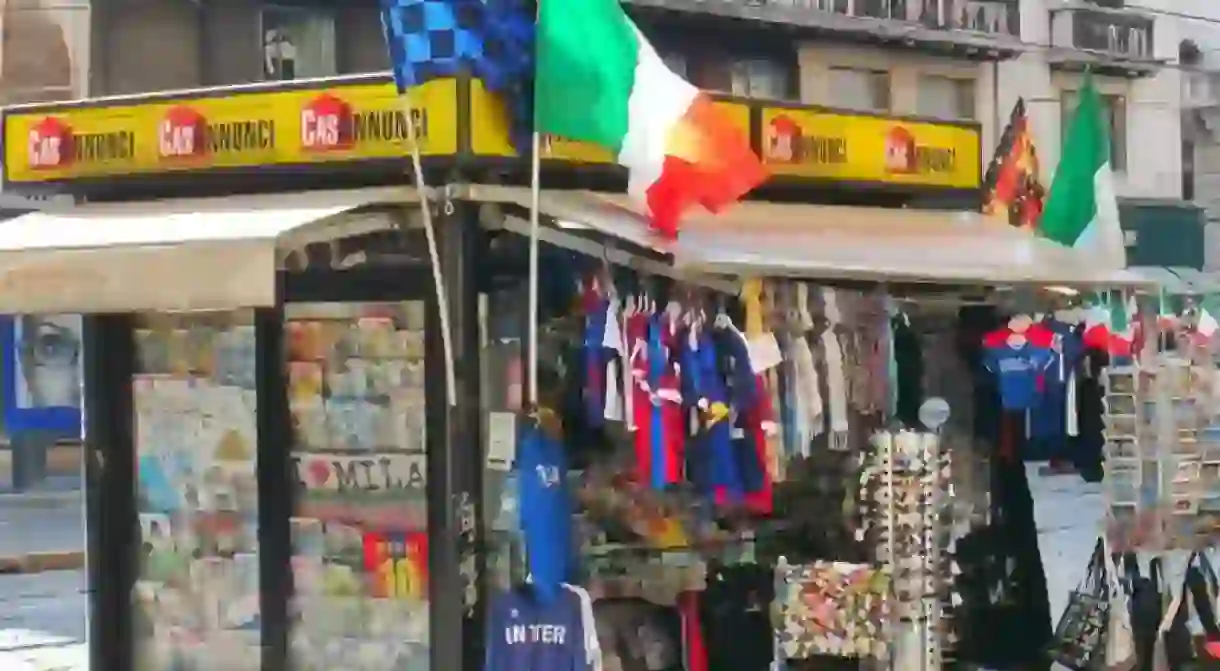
point(1079, 641)
point(1203, 589)
point(1120, 635)
point(1147, 610)
point(1176, 646)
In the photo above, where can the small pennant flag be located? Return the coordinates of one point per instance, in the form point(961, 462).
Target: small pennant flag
point(1122, 324)
point(1109, 323)
point(1167, 312)
point(1209, 312)
point(1097, 321)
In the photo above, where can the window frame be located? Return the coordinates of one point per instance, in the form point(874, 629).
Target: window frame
point(965, 90)
point(296, 10)
point(877, 76)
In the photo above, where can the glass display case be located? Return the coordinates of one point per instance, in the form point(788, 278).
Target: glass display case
point(360, 528)
point(196, 596)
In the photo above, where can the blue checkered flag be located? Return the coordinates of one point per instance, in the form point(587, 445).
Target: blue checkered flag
point(491, 39)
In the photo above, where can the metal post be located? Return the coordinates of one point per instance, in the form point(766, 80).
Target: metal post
point(276, 488)
point(111, 527)
point(29, 451)
point(455, 452)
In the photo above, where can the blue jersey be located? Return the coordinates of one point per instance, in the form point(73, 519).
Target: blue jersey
point(1018, 370)
point(527, 634)
point(546, 511)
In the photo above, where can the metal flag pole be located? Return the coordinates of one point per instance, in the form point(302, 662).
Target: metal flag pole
point(535, 196)
point(442, 296)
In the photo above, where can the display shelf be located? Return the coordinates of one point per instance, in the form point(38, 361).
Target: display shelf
point(359, 533)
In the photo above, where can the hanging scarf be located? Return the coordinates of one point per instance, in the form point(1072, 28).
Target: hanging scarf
point(836, 380)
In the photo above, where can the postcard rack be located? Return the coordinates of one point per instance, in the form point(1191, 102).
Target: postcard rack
point(1161, 461)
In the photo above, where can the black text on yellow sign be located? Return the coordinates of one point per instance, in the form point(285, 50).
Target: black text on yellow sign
point(300, 126)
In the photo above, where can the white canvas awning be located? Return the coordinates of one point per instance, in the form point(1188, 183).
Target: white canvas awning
point(815, 241)
point(182, 254)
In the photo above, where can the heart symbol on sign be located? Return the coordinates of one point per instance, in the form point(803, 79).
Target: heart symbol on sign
point(320, 472)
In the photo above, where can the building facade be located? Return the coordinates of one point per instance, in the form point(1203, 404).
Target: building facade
point(1199, 59)
point(1131, 46)
point(945, 59)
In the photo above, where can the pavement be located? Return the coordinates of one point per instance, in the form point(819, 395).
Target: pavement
point(43, 622)
point(42, 529)
point(1070, 514)
point(43, 587)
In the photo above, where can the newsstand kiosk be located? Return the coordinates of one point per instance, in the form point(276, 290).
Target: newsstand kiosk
point(275, 479)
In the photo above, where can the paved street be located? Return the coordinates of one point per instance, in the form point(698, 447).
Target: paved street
point(42, 622)
point(51, 525)
point(42, 616)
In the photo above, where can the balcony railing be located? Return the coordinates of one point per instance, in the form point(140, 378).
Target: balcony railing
point(995, 17)
point(1126, 35)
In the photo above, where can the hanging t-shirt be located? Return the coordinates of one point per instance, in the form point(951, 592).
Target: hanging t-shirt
point(1048, 418)
point(595, 357)
point(546, 510)
point(1018, 370)
point(525, 633)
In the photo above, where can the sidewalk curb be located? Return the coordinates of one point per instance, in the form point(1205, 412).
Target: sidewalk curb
point(38, 562)
point(41, 499)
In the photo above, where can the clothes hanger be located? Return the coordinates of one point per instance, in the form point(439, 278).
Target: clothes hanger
point(722, 319)
point(804, 317)
point(831, 306)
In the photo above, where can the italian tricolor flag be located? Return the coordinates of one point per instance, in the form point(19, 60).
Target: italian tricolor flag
point(1081, 209)
point(1209, 313)
point(1109, 323)
point(599, 80)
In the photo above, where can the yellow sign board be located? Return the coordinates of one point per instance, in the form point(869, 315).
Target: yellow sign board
point(353, 121)
point(489, 131)
point(859, 148)
point(241, 130)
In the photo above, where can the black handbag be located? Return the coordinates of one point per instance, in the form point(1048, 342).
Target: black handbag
point(1147, 607)
point(1202, 587)
point(1079, 642)
point(1179, 647)
point(1184, 651)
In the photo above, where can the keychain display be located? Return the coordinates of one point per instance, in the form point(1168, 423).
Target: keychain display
point(905, 479)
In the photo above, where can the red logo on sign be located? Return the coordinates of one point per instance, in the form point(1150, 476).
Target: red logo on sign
point(50, 144)
point(182, 134)
point(326, 124)
point(783, 141)
point(900, 150)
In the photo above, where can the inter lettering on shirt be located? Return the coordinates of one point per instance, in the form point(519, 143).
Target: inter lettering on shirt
point(1016, 365)
point(546, 634)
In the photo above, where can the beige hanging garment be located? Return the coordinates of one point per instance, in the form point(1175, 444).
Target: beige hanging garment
point(1120, 639)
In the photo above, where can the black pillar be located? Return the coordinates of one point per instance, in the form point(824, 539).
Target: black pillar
point(455, 452)
point(111, 522)
point(276, 490)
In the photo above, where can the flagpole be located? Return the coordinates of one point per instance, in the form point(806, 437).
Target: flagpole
point(442, 296)
point(535, 197)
